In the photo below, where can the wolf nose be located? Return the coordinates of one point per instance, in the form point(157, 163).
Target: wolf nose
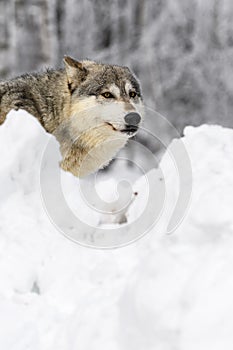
point(132, 119)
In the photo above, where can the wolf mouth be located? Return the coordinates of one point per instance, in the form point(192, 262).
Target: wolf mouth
point(113, 128)
point(129, 129)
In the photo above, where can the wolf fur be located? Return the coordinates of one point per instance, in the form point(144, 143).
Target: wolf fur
point(71, 104)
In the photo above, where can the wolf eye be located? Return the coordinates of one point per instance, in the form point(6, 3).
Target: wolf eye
point(107, 95)
point(132, 94)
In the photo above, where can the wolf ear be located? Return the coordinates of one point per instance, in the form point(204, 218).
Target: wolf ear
point(75, 71)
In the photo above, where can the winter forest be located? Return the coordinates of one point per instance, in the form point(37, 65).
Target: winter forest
point(180, 49)
point(168, 285)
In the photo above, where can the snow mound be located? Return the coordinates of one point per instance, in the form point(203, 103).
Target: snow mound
point(162, 292)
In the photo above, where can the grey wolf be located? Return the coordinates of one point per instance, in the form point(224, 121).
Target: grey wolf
point(91, 108)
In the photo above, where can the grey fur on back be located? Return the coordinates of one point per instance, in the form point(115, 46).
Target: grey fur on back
point(42, 95)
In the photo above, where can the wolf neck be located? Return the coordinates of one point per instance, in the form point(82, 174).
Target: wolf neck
point(46, 96)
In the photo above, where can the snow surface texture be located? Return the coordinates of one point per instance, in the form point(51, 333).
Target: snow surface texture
point(163, 292)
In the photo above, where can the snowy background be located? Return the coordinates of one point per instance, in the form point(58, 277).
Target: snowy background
point(163, 292)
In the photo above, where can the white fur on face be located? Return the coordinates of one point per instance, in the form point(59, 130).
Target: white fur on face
point(114, 90)
point(88, 128)
point(128, 87)
point(89, 112)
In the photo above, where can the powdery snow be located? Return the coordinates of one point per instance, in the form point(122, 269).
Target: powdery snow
point(163, 292)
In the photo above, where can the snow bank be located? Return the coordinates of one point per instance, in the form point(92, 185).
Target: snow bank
point(162, 292)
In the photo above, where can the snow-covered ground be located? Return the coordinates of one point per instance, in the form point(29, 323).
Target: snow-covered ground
point(163, 292)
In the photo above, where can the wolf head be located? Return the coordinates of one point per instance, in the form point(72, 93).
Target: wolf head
point(106, 109)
